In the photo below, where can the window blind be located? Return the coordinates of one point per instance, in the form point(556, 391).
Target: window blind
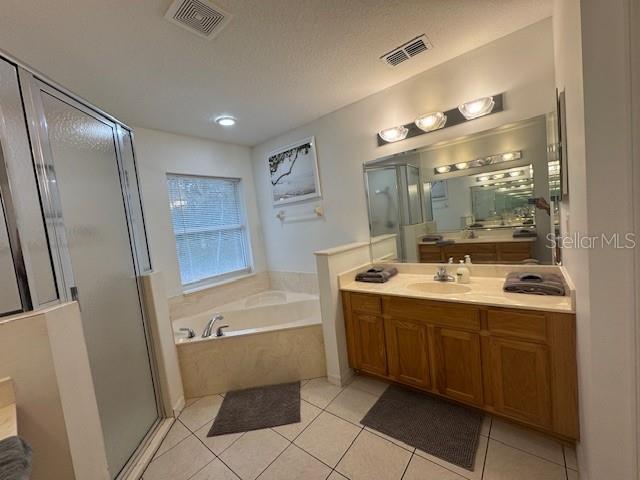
point(207, 222)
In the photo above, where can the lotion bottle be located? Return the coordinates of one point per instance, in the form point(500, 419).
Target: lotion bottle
point(463, 274)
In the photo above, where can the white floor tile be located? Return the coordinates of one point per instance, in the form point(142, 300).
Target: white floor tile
point(570, 457)
point(218, 443)
point(572, 474)
point(176, 434)
point(200, 412)
point(253, 452)
point(181, 462)
point(352, 404)
point(486, 425)
point(369, 384)
point(372, 457)
point(319, 392)
point(296, 464)
point(508, 463)
point(336, 476)
point(478, 465)
point(307, 413)
point(528, 440)
point(422, 469)
point(327, 438)
point(216, 470)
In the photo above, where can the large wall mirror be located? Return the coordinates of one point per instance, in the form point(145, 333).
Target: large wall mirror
point(492, 195)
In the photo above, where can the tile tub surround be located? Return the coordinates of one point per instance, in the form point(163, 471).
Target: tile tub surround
point(300, 282)
point(204, 299)
point(327, 443)
point(486, 286)
point(229, 363)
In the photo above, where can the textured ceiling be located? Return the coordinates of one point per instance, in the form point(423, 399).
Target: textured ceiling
point(278, 64)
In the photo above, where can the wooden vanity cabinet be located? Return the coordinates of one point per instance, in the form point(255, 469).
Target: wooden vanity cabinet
point(480, 252)
point(519, 364)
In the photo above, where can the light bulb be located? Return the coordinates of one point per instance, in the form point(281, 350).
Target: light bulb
point(394, 134)
point(431, 121)
point(477, 108)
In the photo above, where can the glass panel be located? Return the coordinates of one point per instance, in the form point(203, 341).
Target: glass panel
point(84, 156)
point(9, 294)
point(207, 221)
point(24, 192)
point(383, 201)
point(413, 190)
point(135, 201)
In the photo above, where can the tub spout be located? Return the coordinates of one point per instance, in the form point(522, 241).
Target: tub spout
point(209, 327)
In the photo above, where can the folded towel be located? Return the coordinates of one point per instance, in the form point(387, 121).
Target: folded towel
point(524, 233)
point(434, 237)
point(15, 459)
point(534, 283)
point(442, 243)
point(377, 274)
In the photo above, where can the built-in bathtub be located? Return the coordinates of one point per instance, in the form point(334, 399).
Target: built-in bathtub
point(272, 337)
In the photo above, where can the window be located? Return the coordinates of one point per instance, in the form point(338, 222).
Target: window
point(207, 219)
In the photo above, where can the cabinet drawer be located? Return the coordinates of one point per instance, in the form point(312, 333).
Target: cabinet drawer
point(447, 315)
point(366, 303)
point(514, 323)
point(514, 247)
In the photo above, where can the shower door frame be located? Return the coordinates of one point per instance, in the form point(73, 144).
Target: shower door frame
point(31, 84)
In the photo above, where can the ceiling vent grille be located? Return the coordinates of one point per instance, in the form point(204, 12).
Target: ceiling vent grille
point(406, 51)
point(198, 16)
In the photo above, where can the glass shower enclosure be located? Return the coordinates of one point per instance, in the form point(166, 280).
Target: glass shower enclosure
point(74, 230)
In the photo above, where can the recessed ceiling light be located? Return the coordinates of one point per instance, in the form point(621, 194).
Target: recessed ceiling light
point(226, 120)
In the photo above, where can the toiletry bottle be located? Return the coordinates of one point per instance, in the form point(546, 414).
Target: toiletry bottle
point(463, 274)
point(467, 259)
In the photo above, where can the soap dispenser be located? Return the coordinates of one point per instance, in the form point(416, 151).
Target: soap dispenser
point(463, 273)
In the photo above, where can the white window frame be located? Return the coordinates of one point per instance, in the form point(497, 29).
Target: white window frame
point(246, 239)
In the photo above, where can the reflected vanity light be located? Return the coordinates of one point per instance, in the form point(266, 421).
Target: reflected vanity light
point(431, 121)
point(393, 134)
point(477, 108)
point(481, 162)
point(516, 173)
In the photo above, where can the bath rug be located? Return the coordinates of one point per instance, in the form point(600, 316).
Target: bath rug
point(256, 408)
point(437, 427)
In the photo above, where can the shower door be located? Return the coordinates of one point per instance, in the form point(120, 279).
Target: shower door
point(84, 178)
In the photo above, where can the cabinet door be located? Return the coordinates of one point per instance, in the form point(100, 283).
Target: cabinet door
point(371, 354)
point(408, 353)
point(520, 377)
point(458, 364)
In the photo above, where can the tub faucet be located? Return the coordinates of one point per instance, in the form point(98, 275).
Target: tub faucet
point(209, 327)
point(219, 332)
point(190, 332)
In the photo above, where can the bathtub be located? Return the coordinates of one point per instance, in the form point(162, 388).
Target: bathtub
point(273, 337)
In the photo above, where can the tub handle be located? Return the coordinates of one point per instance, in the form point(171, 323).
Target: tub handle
point(190, 332)
point(219, 332)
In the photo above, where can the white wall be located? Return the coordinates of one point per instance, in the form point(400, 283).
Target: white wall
point(159, 153)
point(592, 65)
point(520, 64)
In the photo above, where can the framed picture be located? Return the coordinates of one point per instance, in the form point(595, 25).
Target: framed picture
point(293, 171)
point(439, 190)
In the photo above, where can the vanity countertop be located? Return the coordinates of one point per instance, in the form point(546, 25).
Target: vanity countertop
point(485, 240)
point(482, 291)
point(8, 417)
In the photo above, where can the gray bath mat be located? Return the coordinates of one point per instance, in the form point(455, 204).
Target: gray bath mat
point(432, 425)
point(256, 408)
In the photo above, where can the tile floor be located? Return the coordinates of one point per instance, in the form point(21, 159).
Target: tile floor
point(329, 443)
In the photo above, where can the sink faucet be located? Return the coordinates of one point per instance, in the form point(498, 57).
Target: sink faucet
point(209, 327)
point(443, 276)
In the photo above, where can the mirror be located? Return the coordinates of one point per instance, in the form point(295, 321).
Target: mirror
point(492, 195)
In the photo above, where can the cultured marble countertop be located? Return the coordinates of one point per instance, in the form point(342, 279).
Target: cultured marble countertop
point(485, 240)
point(8, 417)
point(484, 291)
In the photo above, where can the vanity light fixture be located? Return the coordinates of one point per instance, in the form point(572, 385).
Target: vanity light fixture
point(477, 108)
point(484, 178)
point(394, 134)
point(515, 173)
point(482, 162)
point(225, 120)
point(431, 121)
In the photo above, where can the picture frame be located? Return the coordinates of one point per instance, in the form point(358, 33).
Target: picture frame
point(293, 172)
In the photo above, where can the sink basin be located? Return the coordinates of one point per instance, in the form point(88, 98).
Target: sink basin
point(435, 287)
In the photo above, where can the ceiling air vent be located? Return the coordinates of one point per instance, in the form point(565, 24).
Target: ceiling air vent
point(406, 51)
point(198, 16)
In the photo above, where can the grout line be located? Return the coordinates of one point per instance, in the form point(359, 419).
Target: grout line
point(273, 461)
point(348, 448)
point(406, 467)
point(528, 453)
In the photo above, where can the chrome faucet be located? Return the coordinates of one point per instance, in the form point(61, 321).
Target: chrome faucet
point(209, 327)
point(219, 332)
point(190, 332)
point(443, 276)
